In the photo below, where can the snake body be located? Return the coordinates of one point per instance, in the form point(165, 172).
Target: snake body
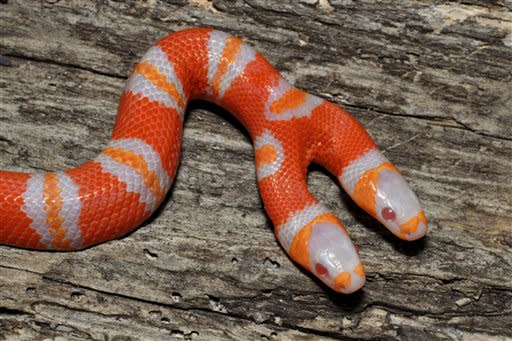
point(115, 192)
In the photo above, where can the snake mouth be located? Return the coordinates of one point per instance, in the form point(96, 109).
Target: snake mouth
point(350, 281)
point(415, 228)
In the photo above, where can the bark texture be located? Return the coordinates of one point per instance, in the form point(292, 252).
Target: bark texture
point(430, 80)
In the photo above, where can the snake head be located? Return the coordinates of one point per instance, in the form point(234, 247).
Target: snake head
point(378, 187)
point(397, 207)
point(334, 259)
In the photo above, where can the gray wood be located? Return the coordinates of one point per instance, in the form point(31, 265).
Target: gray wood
point(430, 80)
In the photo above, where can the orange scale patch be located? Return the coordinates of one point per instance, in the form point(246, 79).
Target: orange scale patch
point(293, 98)
point(412, 224)
point(108, 210)
point(281, 207)
point(164, 133)
point(366, 188)
point(266, 155)
point(351, 140)
point(15, 228)
point(52, 197)
point(248, 94)
point(193, 60)
point(359, 269)
point(342, 281)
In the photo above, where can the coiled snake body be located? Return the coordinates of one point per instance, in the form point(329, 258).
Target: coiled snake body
point(112, 194)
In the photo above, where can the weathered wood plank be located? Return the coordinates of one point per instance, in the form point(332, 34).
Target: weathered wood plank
point(431, 82)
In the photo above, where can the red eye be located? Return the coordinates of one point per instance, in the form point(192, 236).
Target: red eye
point(388, 214)
point(320, 269)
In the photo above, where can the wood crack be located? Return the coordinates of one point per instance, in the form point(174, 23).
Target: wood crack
point(448, 122)
point(60, 64)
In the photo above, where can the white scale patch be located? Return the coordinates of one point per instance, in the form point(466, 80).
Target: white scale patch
point(149, 155)
point(216, 47)
point(140, 85)
point(134, 181)
point(71, 208)
point(158, 58)
point(34, 207)
point(351, 174)
point(288, 230)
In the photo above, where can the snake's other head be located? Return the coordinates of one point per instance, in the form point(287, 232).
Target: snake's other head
point(385, 194)
point(379, 188)
point(397, 207)
point(334, 259)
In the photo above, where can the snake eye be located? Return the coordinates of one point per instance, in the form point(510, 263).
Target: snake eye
point(320, 269)
point(388, 213)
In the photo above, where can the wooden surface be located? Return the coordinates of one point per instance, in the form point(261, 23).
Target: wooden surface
point(430, 80)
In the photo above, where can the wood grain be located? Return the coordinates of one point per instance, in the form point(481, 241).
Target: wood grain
point(430, 80)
